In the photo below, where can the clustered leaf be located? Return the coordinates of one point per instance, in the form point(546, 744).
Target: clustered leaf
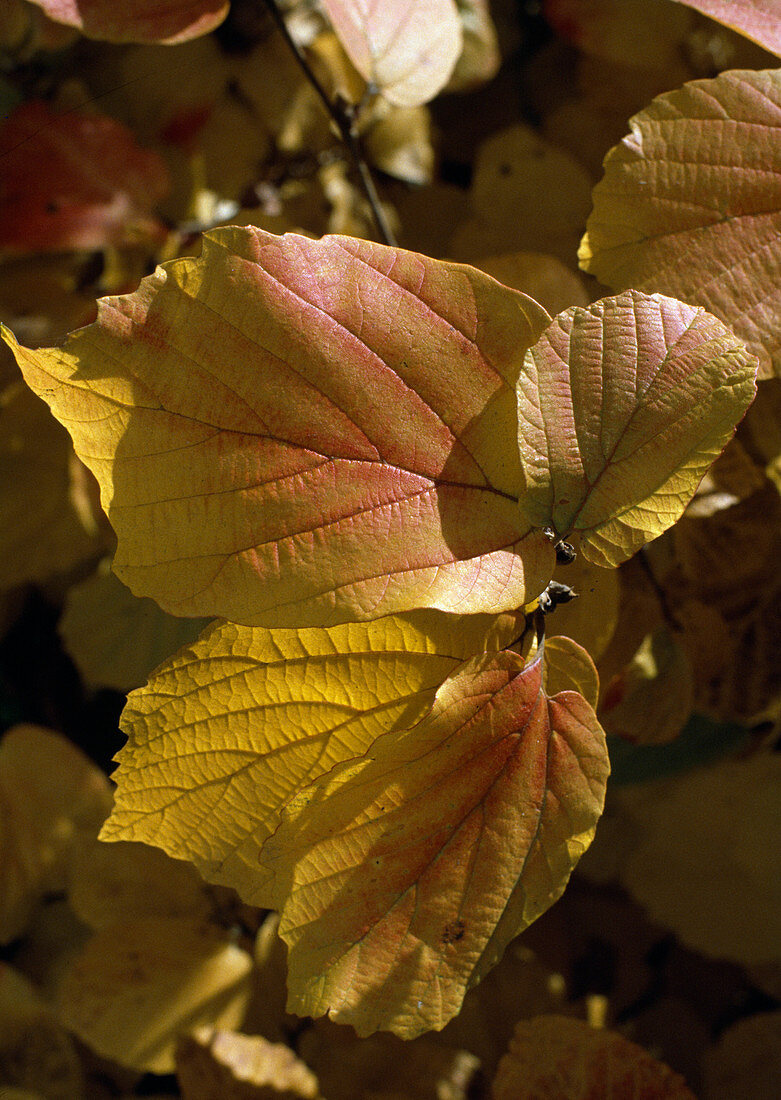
point(362, 459)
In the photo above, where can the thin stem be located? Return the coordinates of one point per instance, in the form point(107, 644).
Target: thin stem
point(668, 614)
point(344, 117)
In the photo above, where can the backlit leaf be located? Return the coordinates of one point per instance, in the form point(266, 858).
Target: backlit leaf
point(227, 731)
point(408, 49)
point(622, 408)
point(690, 205)
point(552, 1057)
point(138, 20)
point(298, 432)
point(401, 877)
point(759, 20)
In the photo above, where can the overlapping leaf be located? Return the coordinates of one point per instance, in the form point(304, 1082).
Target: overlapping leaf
point(408, 49)
point(229, 729)
point(690, 205)
point(297, 432)
point(759, 20)
point(138, 20)
point(622, 408)
point(402, 876)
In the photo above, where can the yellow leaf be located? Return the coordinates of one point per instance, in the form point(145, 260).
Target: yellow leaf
point(137, 984)
point(621, 409)
point(228, 730)
point(211, 1063)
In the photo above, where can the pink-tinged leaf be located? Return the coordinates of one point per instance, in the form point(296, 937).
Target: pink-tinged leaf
point(407, 48)
point(402, 876)
point(297, 432)
point(690, 205)
point(556, 1057)
point(622, 406)
point(759, 20)
point(83, 182)
point(138, 20)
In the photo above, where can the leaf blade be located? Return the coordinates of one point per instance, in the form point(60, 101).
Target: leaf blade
point(622, 407)
point(236, 411)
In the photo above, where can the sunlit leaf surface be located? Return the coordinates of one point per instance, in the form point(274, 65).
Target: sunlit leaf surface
point(402, 876)
point(690, 205)
point(296, 432)
point(408, 49)
point(227, 731)
point(622, 408)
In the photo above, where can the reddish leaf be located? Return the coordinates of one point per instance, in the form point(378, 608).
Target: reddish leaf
point(759, 20)
point(403, 875)
point(138, 20)
point(297, 432)
point(82, 183)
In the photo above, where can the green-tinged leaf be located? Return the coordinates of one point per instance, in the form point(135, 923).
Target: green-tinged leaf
point(402, 876)
point(296, 432)
point(228, 730)
point(622, 408)
point(138, 20)
point(759, 20)
point(690, 205)
point(407, 49)
point(568, 667)
point(552, 1057)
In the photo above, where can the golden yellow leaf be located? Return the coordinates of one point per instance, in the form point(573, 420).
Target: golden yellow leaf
point(228, 730)
point(138, 984)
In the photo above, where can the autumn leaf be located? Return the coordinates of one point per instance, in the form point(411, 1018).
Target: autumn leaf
point(407, 49)
point(83, 183)
point(402, 876)
point(552, 1057)
point(690, 205)
point(212, 1063)
point(137, 983)
point(759, 20)
point(138, 20)
point(296, 432)
point(621, 408)
point(228, 730)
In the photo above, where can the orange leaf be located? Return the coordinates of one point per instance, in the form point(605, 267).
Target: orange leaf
point(553, 1057)
point(297, 432)
point(403, 875)
point(138, 20)
point(690, 205)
